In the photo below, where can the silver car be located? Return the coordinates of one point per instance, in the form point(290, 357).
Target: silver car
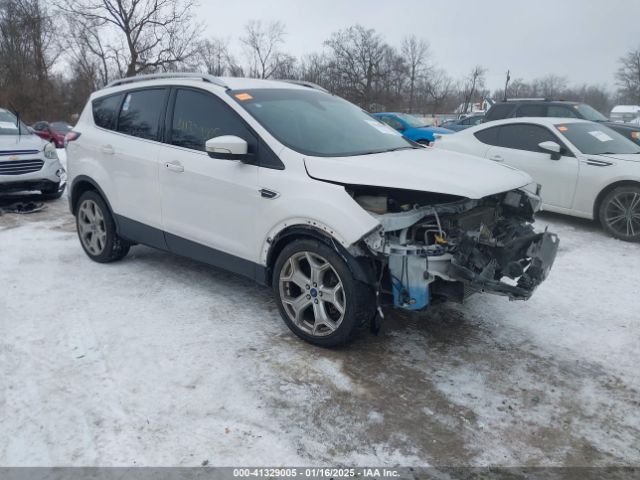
point(27, 162)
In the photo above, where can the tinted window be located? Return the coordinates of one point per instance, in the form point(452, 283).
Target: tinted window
point(524, 136)
point(61, 127)
point(532, 111)
point(499, 111)
point(392, 122)
point(488, 136)
point(140, 113)
point(561, 112)
point(105, 111)
point(199, 116)
point(40, 126)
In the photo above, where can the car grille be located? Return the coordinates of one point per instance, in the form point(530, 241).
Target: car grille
point(20, 167)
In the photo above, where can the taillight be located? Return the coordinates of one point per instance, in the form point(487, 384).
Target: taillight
point(70, 137)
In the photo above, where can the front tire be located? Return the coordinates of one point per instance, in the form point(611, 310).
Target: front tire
point(620, 213)
point(97, 230)
point(317, 294)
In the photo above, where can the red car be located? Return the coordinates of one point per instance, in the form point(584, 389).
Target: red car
point(52, 132)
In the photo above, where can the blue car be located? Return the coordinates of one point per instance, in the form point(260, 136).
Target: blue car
point(411, 127)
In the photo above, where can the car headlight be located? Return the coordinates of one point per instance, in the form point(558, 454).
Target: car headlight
point(50, 151)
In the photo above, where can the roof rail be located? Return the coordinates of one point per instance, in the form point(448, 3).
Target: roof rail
point(304, 83)
point(535, 99)
point(176, 75)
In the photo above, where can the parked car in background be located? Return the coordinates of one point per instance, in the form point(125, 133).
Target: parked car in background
point(52, 132)
point(302, 191)
point(625, 113)
point(463, 123)
point(585, 169)
point(561, 109)
point(27, 162)
point(411, 127)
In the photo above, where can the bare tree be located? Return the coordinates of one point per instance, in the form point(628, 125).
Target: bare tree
point(628, 77)
point(357, 55)
point(262, 43)
point(471, 84)
point(213, 55)
point(143, 35)
point(28, 50)
point(415, 52)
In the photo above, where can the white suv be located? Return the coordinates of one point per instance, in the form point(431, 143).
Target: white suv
point(301, 191)
point(26, 161)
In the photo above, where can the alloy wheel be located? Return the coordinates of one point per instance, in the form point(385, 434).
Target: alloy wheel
point(622, 213)
point(91, 226)
point(312, 294)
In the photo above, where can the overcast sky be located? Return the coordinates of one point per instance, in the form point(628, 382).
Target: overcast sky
point(579, 39)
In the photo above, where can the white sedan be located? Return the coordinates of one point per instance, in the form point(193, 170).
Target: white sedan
point(585, 169)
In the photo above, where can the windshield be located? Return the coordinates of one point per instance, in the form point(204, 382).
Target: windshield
point(318, 124)
point(8, 125)
point(597, 139)
point(414, 122)
point(589, 113)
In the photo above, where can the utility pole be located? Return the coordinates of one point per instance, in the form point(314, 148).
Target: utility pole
point(506, 84)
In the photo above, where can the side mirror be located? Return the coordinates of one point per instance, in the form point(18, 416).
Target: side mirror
point(227, 147)
point(553, 148)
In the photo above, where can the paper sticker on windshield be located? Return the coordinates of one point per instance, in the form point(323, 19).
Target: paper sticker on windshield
point(603, 137)
point(562, 128)
point(243, 96)
point(382, 127)
point(8, 126)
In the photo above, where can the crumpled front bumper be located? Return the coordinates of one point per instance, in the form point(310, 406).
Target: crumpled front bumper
point(541, 250)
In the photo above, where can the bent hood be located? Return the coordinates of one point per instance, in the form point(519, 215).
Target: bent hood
point(27, 141)
point(423, 169)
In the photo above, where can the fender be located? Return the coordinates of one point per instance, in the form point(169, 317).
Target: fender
point(73, 193)
point(362, 270)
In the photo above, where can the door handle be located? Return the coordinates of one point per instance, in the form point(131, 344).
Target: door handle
point(496, 158)
point(174, 167)
point(107, 149)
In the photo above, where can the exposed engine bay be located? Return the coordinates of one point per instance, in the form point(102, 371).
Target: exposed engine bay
point(432, 246)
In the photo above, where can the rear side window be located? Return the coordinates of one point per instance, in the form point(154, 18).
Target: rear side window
point(488, 136)
point(499, 111)
point(524, 136)
point(140, 113)
point(199, 116)
point(561, 112)
point(105, 111)
point(532, 111)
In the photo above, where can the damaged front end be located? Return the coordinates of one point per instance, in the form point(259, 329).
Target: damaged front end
point(432, 246)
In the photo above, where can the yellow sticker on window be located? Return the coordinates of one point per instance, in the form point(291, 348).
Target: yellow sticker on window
point(243, 96)
point(562, 128)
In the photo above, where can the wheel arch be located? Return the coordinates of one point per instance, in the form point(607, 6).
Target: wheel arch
point(603, 193)
point(82, 184)
point(360, 268)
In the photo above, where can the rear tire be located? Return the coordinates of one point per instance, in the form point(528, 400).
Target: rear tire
point(317, 294)
point(619, 213)
point(97, 230)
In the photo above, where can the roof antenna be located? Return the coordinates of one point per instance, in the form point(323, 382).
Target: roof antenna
point(17, 115)
point(506, 84)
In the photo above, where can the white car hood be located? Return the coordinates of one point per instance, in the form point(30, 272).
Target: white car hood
point(423, 169)
point(10, 143)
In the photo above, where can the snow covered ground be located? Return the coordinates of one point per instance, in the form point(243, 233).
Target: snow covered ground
point(157, 360)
